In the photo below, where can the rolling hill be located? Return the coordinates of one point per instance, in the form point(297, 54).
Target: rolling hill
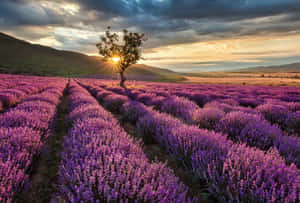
point(21, 57)
point(287, 68)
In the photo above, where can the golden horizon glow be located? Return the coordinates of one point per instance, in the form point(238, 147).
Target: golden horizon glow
point(244, 49)
point(208, 54)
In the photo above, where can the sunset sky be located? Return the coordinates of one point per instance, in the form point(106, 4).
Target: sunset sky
point(183, 35)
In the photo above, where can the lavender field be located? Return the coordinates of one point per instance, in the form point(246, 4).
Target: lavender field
point(88, 140)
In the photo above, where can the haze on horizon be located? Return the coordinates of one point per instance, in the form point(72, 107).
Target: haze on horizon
point(187, 36)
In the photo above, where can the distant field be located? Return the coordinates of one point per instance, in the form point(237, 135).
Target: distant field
point(275, 79)
point(246, 74)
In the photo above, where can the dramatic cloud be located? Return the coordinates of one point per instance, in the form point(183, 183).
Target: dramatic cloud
point(14, 13)
point(76, 25)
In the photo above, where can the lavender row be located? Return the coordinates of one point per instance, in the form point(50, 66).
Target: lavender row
point(101, 162)
point(240, 123)
point(10, 81)
point(12, 96)
point(23, 132)
point(20, 87)
point(244, 95)
point(234, 172)
point(201, 94)
point(284, 114)
point(235, 95)
point(278, 105)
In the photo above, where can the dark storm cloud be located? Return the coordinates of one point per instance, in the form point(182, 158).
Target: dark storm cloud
point(221, 9)
point(194, 9)
point(217, 18)
point(26, 12)
point(112, 7)
point(169, 22)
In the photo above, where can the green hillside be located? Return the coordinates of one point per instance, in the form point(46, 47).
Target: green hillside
point(21, 57)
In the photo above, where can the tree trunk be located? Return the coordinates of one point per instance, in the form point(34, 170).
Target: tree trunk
point(123, 79)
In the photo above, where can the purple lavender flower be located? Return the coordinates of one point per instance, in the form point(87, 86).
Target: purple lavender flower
point(133, 110)
point(101, 162)
point(292, 123)
point(251, 175)
point(208, 118)
point(233, 123)
point(182, 108)
point(289, 148)
point(274, 113)
point(114, 102)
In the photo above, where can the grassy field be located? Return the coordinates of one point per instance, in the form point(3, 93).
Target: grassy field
point(271, 79)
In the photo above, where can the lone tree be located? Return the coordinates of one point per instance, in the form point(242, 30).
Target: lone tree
point(121, 53)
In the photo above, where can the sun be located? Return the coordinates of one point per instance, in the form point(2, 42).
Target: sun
point(115, 59)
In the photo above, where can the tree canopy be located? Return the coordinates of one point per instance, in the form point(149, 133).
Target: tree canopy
point(123, 53)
